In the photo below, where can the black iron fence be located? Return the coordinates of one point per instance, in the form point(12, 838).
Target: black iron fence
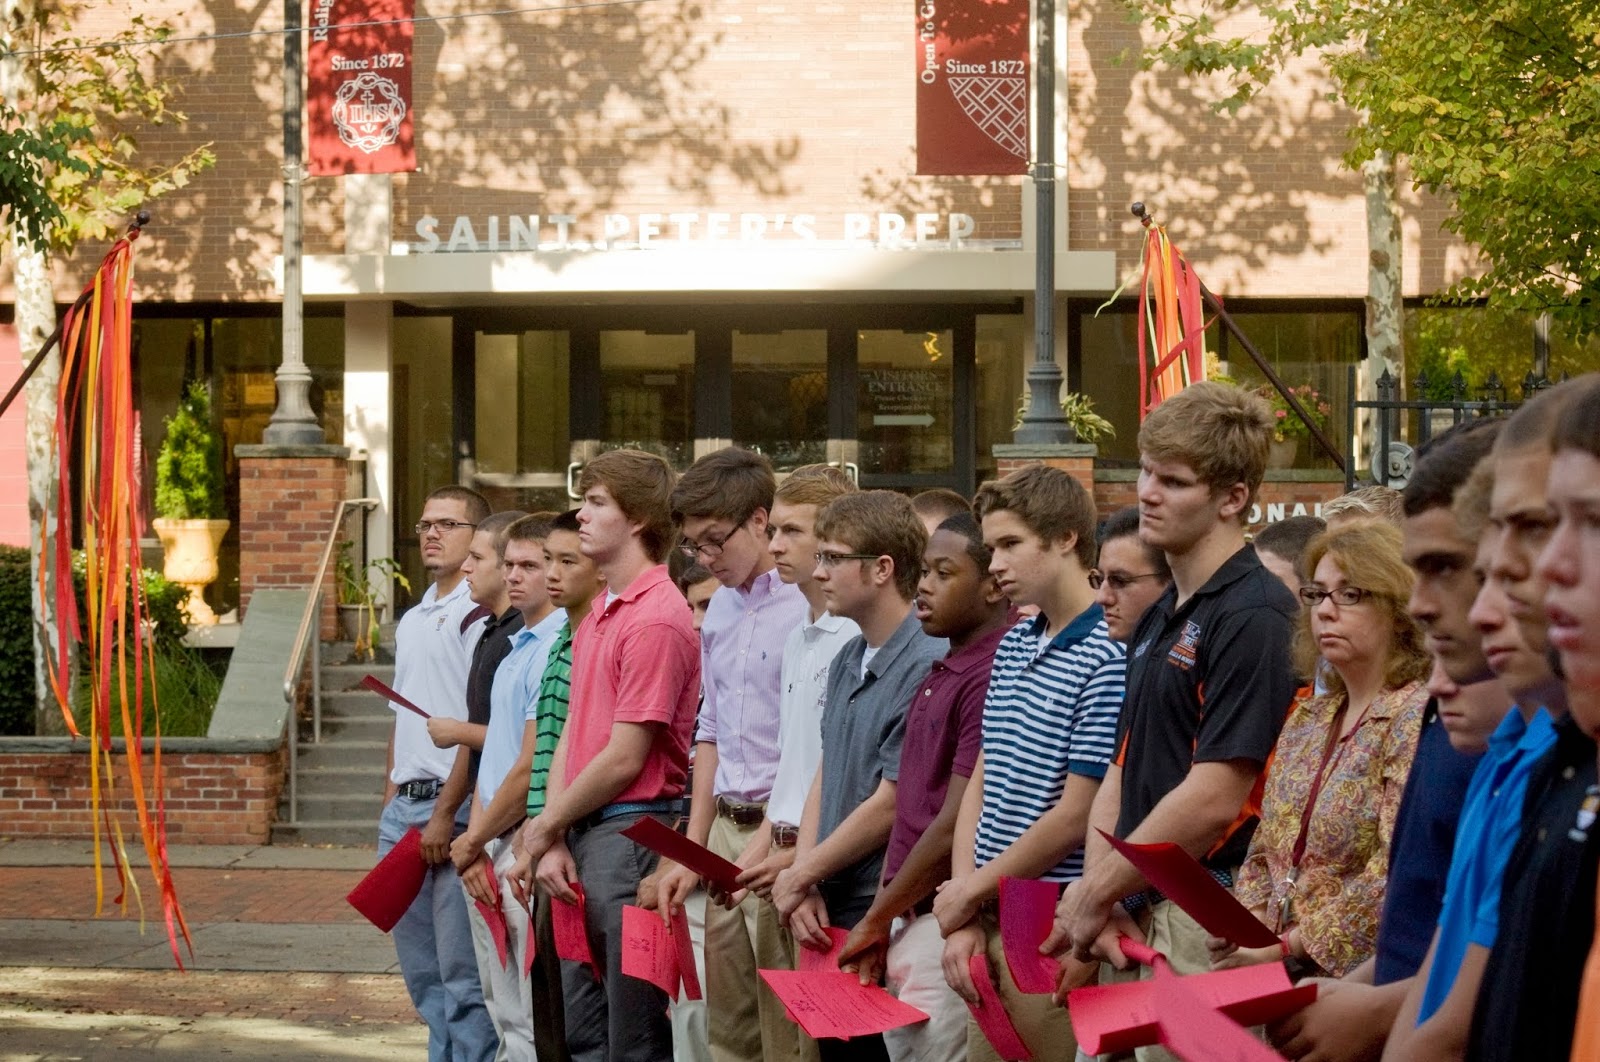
point(1401, 426)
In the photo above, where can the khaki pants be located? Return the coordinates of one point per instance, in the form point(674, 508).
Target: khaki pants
point(506, 992)
point(915, 975)
point(689, 1015)
point(1043, 1025)
point(1177, 936)
point(745, 1022)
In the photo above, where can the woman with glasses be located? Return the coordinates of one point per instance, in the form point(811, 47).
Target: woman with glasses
point(1317, 865)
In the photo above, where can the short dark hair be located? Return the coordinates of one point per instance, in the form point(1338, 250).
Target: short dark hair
point(1533, 425)
point(1124, 523)
point(1444, 462)
point(534, 528)
point(1049, 502)
point(940, 503)
point(567, 521)
point(641, 485)
point(1289, 538)
point(966, 525)
point(477, 506)
point(498, 526)
point(1579, 427)
point(692, 575)
point(882, 523)
point(729, 484)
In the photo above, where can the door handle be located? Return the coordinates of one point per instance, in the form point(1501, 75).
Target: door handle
point(572, 480)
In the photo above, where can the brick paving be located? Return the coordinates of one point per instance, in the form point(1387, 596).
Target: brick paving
point(205, 894)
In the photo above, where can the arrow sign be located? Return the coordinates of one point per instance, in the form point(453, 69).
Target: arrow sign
point(895, 420)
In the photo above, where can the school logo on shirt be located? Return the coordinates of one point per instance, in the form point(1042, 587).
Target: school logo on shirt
point(1182, 653)
point(1144, 645)
point(1586, 815)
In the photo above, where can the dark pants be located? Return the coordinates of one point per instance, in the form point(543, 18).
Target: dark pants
point(549, 1017)
point(617, 1018)
point(845, 911)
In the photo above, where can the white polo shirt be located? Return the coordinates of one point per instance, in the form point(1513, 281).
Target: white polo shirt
point(432, 654)
point(807, 655)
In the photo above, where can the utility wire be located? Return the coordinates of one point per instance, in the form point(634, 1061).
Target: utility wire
point(339, 27)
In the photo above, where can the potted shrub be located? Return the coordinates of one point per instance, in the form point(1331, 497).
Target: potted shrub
point(189, 499)
point(1289, 429)
point(362, 598)
point(1087, 425)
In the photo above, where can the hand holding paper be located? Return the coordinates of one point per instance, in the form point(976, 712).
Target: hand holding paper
point(495, 918)
point(657, 952)
point(838, 1004)
point(572, 936)
point(810, 960)
point(663, 839)
point(1186, 883)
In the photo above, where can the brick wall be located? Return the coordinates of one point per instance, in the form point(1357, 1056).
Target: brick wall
point(211, 797)
point(287, 498)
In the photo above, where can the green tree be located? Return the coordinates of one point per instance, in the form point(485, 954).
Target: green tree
point(71, 169)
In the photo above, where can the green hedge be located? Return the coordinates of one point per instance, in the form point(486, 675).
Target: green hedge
point(186, 684)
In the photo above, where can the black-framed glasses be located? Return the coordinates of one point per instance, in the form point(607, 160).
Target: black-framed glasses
point(1344, 596)
point(830, 560)
point(444, 527)
point(1119, 580)
point(711, 548)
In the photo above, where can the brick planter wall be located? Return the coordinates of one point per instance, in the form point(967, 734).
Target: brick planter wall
point(287, 498)
point(212, 797)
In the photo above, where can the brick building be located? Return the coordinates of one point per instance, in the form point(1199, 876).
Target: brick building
point(719, 133)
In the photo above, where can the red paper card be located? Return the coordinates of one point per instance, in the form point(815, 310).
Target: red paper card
point(388, 889)
point(531, 950)
point(1108, 1019)
point(838, 1005)
point(686, 963)
point(810, 960)
point(572, 937)
point(391, 696)
point(1195, 1032)
point(495, 918)
point(1189, 885)
point(1027, 912)
point(659, 837)
point(648, 950)
point(991, 1016)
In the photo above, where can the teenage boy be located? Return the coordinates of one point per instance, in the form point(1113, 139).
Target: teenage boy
point(721, 506)
point(1209, 681)
point(1130, 575)
point(625, 750)
point(1049, 727)
point(500, 796)
point(433, 649)
point(1504, 508)
point(937, 505)
point(869, 557)
point(958, 600)
point(1282, 547)
point(1352, 1017)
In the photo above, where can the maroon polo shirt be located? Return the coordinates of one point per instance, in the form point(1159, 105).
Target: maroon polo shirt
point(944, 731)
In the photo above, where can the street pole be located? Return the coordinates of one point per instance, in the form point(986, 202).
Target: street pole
point(1044, 422)
point(292, 422)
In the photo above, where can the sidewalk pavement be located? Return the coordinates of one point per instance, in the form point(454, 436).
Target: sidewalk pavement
point(282, 966)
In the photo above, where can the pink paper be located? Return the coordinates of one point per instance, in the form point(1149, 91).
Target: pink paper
point(1195, 1032)
point(811, 960)
point(659, 837)
point(1027, 912)
point(991, 1016)
point(499, 932)
point(531, 950)
point(390, 695)
point(1189, 885)
point(686, 963)
point(1112, 1018)
point(838, 1005)
point(572, 937)
point(648, 950)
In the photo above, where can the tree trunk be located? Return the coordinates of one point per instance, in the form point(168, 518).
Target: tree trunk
point(1385, 309)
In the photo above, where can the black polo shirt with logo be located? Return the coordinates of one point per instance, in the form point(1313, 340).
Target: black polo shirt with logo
point(494, 645)
point(1208, 682)
point(1528, 1000)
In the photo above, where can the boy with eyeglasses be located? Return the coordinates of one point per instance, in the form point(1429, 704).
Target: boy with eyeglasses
point(433, 650)
point(869, 558)
point(721, 506)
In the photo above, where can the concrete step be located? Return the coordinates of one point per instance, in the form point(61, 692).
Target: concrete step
point(349, 676)
point(327, 832)
point(350, 779)
point(328, 807)
point(365, 754)
point(354, 703)
point(341, 728)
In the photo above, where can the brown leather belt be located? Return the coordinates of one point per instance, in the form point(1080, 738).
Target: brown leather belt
point(784, 836)
point(741, 814)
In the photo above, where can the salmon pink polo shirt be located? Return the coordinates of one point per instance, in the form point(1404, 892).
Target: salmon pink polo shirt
point(636, 660)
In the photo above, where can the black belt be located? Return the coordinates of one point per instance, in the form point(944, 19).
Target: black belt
point(784, 836)
point(616, 811)
point(1151, 897)
point(741, 814)
point(420, 790)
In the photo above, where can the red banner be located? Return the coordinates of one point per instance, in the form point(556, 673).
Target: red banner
point(972, 87)
point(358, 87)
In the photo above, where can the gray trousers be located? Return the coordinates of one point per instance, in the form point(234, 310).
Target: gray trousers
point(615, 1018)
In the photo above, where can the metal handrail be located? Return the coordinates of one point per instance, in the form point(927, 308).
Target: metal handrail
point(303, 639)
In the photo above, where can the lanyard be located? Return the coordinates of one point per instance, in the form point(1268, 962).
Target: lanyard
point(1332, 752)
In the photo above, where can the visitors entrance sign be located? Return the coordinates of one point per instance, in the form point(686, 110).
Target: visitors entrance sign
point(972, 87)
point(358, 81)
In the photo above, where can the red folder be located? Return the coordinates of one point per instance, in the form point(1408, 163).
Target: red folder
point(838, 1005)
point(385, 894)
point(495, 918)
point(991, 1016)
point(390, 695)
point(659, 837)
point(1109, 1019)
point(1195, 1032)
point(810, 960)
point(1027, 911)
point(571, 932)
point(1189, 885)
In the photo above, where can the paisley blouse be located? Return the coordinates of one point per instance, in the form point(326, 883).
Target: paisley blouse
point(1337, 893)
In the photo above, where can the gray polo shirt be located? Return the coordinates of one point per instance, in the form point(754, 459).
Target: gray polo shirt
point(863, 722)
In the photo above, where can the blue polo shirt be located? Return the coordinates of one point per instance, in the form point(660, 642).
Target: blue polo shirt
point(514, 701)
point(1491, 820)
point(1419, 855)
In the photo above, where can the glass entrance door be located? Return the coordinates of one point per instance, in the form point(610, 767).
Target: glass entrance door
point(521, 416)
point(912, 433)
